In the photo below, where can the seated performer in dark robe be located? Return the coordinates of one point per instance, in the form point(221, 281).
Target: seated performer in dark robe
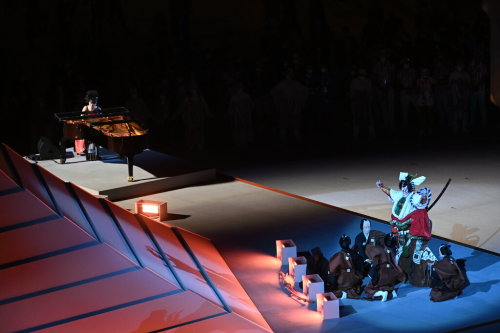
point(386, 272)
point(448, 276)
point(318, 264)
point(347, 278)
point(362, 239)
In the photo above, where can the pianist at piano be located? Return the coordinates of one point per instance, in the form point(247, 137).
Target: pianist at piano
point(111, 128)
point(91, 98)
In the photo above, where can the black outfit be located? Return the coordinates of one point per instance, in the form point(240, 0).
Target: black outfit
point(360, 246)
point(319, 267)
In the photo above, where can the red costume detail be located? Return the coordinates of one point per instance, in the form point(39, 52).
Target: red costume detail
point(420, 225)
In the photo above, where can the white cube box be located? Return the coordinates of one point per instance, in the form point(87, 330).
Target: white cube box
point(327, 305)
point(285, 249)
point(297, 266)
point(312, 285)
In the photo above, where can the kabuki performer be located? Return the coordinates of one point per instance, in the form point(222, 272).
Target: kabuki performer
point(386, 272)
point(412, 227)
point(448, 276)
point(366, 236)
point(345, 269)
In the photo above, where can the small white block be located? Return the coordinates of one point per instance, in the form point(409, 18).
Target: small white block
point(327, 305)
point(312, 285)
point(285, 249)
point(297, 266)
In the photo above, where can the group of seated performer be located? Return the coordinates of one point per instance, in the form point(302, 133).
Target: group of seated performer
point(374, 254)
point(347, 268)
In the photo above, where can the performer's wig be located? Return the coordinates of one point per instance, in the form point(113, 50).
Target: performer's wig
point(390, 240)
point(345, 242)
point(445, 250)
point(410, 181)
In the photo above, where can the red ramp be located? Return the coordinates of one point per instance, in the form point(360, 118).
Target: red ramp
point(71, 262)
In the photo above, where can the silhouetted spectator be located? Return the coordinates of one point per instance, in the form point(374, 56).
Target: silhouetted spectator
point(289, 98)
point(361, 106)
point(241, 108)
point(138, 108)
point(383, 86)
point(441, 73)
point(194, 112)
point(407, 77)
point(460, 87)
point(479, 76)
point(425, 102)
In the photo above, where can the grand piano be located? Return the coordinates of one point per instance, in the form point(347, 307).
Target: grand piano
point(111, 128)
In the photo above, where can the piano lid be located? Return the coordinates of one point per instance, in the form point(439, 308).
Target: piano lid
point(107, 112)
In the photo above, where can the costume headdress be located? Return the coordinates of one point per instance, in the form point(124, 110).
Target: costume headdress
point(413, 179)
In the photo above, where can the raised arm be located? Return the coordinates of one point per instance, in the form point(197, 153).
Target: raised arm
point(384, 189)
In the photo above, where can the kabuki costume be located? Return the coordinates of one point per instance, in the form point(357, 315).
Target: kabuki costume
point(412, 226)
point(448, 276)
point(344, 269)
point(360, 244)
point(386, 272)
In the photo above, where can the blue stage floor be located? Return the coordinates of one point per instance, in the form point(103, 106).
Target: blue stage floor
point(314, 224)
point(412, 311)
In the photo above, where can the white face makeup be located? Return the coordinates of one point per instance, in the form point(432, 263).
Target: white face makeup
point(405, 190)
point(366, 227)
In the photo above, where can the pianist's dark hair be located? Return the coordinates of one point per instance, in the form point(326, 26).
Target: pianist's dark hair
point(91, 95)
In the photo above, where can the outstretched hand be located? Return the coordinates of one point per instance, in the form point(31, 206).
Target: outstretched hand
point(379, 184)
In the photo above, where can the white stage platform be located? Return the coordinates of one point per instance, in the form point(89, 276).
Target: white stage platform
point(153, 172)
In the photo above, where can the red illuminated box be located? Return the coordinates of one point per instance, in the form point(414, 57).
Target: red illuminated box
point(152, 209)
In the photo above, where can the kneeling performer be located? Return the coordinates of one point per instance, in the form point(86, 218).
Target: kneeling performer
point(344, 268)
point(448, 276)
point(386, 272)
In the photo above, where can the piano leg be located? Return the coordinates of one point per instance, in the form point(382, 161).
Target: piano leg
point(62, 150)
point(130, 163)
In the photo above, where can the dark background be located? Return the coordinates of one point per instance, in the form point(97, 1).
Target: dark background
point(150, 55)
